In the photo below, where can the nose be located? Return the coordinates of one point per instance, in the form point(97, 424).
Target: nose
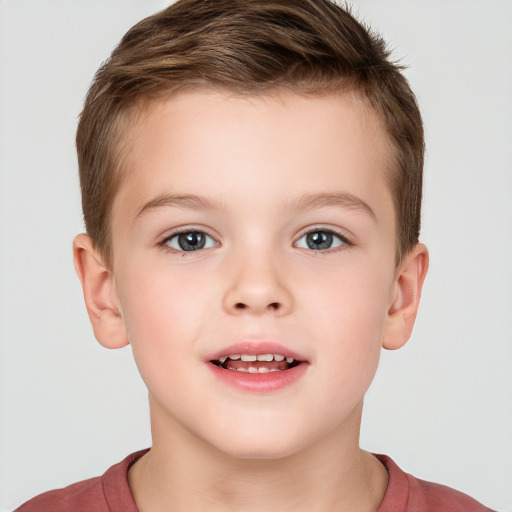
point(257, 286)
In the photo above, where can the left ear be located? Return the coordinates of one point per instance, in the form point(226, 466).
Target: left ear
point(409, 278)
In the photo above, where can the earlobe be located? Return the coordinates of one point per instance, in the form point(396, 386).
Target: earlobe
point(408, 284)
point(100, 294)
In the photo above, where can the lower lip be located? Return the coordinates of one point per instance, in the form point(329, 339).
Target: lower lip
point(259, 382)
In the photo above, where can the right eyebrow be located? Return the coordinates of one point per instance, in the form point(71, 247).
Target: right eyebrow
point(191, 201)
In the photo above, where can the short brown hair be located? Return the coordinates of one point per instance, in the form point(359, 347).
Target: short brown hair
point(247, 47)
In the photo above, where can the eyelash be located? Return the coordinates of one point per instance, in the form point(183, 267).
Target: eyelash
point(345, 242)
point(164, 243)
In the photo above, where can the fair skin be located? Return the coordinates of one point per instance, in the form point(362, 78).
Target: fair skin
point(285, 199)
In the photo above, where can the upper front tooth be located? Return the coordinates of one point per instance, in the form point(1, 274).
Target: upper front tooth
point(265, 357)
point(246, 357)
point(234, 357)
point(278, 357)
point(222, 359)
point(289, 360)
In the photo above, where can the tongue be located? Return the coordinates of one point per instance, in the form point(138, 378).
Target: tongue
point(272, 365)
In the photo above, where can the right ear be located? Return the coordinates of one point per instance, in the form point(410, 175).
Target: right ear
point(100, 294)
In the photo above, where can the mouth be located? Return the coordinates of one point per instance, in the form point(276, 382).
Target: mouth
point(256, 363)
point(257, 367)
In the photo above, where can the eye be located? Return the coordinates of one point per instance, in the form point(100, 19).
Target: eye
point(321, 240)
point(190, 241)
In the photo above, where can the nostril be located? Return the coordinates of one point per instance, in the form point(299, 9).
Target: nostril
point(242, 306)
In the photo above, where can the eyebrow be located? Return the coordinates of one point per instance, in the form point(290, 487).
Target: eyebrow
point(304, 202)
point(337, 199)
point(179, 201)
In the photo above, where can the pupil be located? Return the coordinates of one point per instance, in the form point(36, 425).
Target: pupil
point(319, 240)
point(192, 241)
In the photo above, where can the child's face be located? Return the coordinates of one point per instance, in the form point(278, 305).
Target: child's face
point(285, 199)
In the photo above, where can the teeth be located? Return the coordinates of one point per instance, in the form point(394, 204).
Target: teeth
point(255, 370)
point(259, 357)
point(256, 357)
point(259, 370)
point(265, 357)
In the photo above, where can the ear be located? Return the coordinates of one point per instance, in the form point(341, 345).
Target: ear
point(100, 294)
point(409, 278)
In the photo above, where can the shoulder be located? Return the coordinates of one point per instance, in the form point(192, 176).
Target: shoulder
point(78, 497)
point(440, 497)
point(407, 493)
point(100, 494)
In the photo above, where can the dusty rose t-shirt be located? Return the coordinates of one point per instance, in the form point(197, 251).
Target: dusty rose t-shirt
point(111, 493)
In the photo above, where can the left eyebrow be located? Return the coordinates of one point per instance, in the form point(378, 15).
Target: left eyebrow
point(339, 199)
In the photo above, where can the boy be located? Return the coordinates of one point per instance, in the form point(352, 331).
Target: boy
point(251, 182)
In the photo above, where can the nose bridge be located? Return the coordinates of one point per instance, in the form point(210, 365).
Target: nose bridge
point(257, 282)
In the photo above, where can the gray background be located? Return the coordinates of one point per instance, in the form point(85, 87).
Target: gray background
point(441, 406)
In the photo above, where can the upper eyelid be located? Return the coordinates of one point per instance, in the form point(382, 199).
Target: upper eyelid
point(188, 229)
point(312, 229)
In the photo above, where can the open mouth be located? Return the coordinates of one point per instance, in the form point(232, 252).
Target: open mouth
point(256, 363)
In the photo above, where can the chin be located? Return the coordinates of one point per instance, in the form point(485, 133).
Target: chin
point(246, 453)
point(265, 446)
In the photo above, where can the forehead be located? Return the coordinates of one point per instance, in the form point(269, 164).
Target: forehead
point(219, 144)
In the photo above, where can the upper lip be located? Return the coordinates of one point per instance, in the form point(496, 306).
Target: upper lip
point(255, 348)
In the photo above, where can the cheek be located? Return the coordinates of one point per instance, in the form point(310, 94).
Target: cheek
point(350, 325)
point(355, 297)
point(162, 313)
point(350, 313)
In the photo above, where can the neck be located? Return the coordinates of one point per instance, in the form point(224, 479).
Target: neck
point(184, 473)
